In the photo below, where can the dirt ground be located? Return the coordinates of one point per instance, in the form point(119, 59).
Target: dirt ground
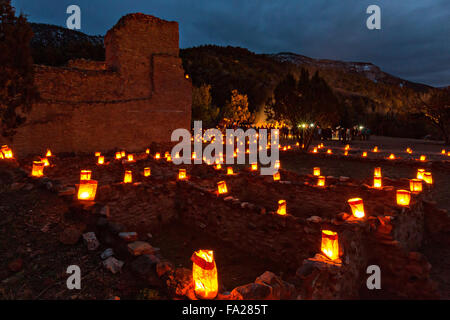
point(33, 262)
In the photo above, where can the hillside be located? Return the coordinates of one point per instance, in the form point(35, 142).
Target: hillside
point(370, 95)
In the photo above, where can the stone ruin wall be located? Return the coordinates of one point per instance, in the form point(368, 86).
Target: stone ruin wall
point(137, 96)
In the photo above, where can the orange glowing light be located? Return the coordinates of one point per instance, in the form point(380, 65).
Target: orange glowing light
point(329, 151)
point(169, 158)
point(443, 151)
point(364, 154)
point(218, 166)
point(230, 170)
point(49, 153)
point(118, 155)
point(38, 169)
point(222, 187)
point(194, 155)
point(315, 150)
point(415, 185)
point(147, 151)
point(377, 172)
point(87, 190)
point(346, 153)
point(276, 176)
point(347, 147)
point(101, 160)
point(409, 150)
point(403, 197)
point(428, 178)
point(316, 171)
point(147, 172)
point(254, 166)
point(45, 161)
point(204, 274)
point(123, 153)
point(85, 175)
point(7, 152)
point(375, 149)
point(277, 164)
point(182, 174)
point(128, 177)
point(321, 181)
point(423, 158)
point(392, 156)
point(357, 206)
point(157, 155)
point(281, 207)
point(420, 173)
point(330, 244)
point(130, 157)
point(377, 182)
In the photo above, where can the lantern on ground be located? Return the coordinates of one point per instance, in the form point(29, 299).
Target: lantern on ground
point(128, 177)
point(281, 207)
point(222, 187)
point(364, 154)
point(408, 150)
point(316, 171)
point(230, 170)
point(147, 151)
point(277, 164)
point(85, 175)
point(87, 190)
point(147, 172)
point(321, 181)
point(101, 160)
point(443, 151)
point(130, 157)
point(276, 176)
point(218, 166)
point(157, 156)
point(315, 150)
point(254, 166)
point(375, 149)
point(403, 197)
point(428, 178)
point(420, 173)
point(7, 152)
point(38, 169)
point(118, 155)
point(166, 154)
point(49, 153)
point(377, 172)
point(377, 182)
point(330, 244)
point(97, 154)
point(415, 185)
point(423, 158)
point(182, 174)
point(347, 147)
point(123, 154)
point(346, 153)
point(357, 206)
point(169, 158)
point(204, 274)
point(194, 155)
point(392, 156)
point(329, 151)
point(45, 161)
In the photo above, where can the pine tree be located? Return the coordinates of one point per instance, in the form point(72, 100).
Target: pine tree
point(17, 90)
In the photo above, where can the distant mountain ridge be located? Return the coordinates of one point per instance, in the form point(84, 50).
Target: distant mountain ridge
point(367, 69)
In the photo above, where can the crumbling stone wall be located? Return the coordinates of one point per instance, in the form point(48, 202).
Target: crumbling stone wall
point(137, 96)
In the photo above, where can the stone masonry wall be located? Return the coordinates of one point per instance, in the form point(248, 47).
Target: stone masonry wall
point(137, 96)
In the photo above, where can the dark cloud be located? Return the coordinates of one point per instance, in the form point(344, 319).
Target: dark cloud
point(414, 42)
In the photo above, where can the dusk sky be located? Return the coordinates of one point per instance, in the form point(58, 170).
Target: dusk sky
point(413, 43)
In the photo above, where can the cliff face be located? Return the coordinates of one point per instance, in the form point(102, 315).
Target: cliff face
point(139, 94)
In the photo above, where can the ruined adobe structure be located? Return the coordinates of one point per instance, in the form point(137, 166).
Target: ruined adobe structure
point(139, 95)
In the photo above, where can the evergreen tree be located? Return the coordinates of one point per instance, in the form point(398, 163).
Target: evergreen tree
point(17, 90)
